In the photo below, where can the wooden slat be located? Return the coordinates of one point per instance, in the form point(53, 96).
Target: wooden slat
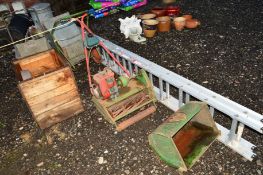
point(41, 63)
point(59, 114)
point(60, 59)
point(46, 83)
point(54, 102)
point(52, 94)
point(17, 70)
point(44, 59)
point(34, 58)
point(47, 64)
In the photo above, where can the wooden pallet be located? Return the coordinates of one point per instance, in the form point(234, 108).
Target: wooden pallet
point(51, 93)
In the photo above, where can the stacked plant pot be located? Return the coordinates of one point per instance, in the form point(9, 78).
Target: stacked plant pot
point(149, 24)
point(185, 21)
point(161, 19)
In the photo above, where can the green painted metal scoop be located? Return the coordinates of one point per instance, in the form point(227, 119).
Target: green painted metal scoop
point(185, 136)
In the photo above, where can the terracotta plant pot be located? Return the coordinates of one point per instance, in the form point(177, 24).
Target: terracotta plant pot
point(172, 11)
point(149, 33)
point(149, 27)
point(187, 17)
point(164, 24)
point(148, 16)
point(192, 23)
point(158, 11)
point(179, 23)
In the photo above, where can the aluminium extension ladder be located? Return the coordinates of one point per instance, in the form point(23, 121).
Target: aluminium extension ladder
point(240, 115)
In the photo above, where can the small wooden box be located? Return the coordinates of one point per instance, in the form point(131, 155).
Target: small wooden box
point(50, 91)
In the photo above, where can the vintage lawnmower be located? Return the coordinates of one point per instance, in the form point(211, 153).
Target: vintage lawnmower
point(117, 96)
point(116, 99)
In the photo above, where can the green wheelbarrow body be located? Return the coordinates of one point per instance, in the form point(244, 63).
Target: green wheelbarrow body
point(184, 136)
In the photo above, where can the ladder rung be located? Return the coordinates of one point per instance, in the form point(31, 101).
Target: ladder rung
point(240, 130)
point(151, 78)
point(232, 132)
point(212, 111)
point(161, 89)
point(130, 67)
point(187, 98)
point(180, 97)
point(167, 88)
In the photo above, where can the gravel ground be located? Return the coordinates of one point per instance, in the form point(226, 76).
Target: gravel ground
point(225, 55)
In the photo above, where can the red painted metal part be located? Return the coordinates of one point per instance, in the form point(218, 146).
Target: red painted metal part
point(105, 81)
point(141, 115)
point(84, 28)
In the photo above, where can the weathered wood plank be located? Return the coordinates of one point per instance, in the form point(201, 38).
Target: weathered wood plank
point(34, 58)
point(45, 65)
point(39, 64)
point(52, 94)
point(46, 83)
point(59, 113)
point(54, 102)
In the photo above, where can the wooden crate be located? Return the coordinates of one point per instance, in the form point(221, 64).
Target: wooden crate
point(51, 93)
